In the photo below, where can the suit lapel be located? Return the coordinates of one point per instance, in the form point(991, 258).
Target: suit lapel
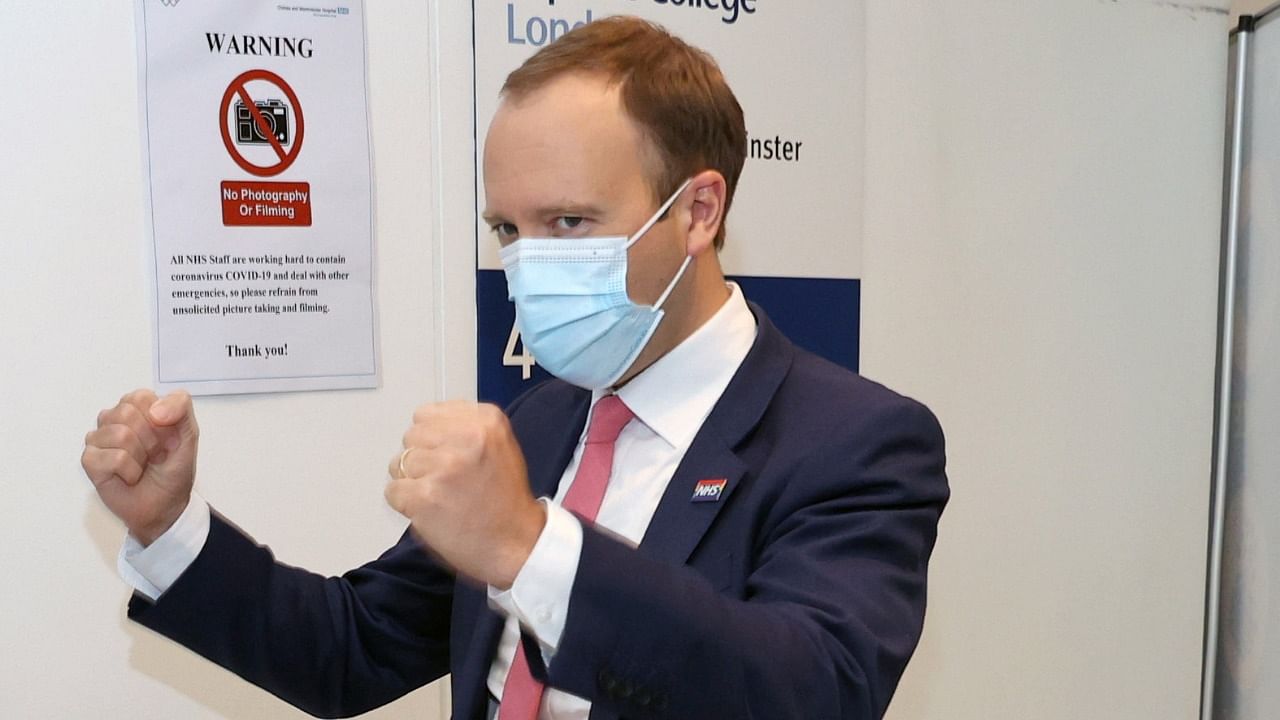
point(471, 698)
point(548, 436)
point(679, 523)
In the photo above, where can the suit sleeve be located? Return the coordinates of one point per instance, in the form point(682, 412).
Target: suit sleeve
point(332, 646)
point(834, 599)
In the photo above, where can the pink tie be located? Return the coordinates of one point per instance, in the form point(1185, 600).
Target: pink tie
point(522, 695)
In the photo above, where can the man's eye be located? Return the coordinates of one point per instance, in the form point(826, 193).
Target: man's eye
point(568, 222)
point(505, 231)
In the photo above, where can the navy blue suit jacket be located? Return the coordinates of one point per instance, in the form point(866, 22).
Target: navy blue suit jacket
point(799, 594)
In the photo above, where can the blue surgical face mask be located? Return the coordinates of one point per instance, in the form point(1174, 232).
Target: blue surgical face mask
point(572, 306)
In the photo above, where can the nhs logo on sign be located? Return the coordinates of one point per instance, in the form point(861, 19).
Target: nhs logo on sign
point(708, 490)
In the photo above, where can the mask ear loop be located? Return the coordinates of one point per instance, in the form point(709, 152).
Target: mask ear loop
point(674, 281)
point(658, 215)
point(648, 226)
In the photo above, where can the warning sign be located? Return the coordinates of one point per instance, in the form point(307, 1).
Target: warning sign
point(252, 108)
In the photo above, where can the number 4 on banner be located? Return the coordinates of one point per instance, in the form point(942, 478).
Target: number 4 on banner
point(524, 360)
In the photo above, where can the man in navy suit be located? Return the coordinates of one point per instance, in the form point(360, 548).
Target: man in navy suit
point(749, 536)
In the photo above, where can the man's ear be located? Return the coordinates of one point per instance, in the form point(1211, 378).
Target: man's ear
point(706, 193)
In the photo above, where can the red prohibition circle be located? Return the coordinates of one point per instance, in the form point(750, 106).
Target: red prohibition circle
point(237, 87)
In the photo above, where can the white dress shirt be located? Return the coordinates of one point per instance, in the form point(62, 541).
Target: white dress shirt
point(670, 399)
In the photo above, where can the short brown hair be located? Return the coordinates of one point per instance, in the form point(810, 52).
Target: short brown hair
point(674, 91)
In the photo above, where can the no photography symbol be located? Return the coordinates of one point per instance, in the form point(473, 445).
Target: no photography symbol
point(265, 127)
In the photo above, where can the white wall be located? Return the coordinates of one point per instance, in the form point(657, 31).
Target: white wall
point(1042, 223)
point(1044, 184)
point(302, 472)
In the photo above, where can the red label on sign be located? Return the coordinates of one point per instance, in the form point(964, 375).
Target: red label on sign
point(248, 203)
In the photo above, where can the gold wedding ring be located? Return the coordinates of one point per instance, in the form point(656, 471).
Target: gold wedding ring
point(404, 456)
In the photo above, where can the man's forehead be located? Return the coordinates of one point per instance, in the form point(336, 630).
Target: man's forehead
point(575, 106)
point(581, 88)
point(569, 138)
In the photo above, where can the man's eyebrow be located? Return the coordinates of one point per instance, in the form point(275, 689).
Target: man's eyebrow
point(572, 209)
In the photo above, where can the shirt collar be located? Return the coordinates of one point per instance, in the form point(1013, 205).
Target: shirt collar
point(677, 392)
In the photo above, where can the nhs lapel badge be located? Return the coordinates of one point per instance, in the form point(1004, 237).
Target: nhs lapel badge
point(708, 490)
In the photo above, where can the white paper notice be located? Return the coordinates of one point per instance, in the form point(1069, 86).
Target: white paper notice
point(258, 166)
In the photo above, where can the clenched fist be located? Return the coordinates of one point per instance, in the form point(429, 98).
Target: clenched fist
point(142, 460)
point(461, 481)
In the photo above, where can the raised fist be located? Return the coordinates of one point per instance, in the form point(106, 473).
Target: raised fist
point(142, 460)
point(461, 481)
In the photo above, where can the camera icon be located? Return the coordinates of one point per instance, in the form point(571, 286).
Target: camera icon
point(275, 112)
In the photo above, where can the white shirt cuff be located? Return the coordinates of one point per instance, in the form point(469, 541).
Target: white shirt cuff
point(153, 570)
point(539, 597)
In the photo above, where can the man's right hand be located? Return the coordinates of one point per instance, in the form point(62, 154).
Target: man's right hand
point(142, 460)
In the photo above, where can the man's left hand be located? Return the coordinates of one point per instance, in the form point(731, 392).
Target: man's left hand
point(465, 490)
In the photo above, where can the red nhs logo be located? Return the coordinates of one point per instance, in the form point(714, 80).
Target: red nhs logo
point(708, 490)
